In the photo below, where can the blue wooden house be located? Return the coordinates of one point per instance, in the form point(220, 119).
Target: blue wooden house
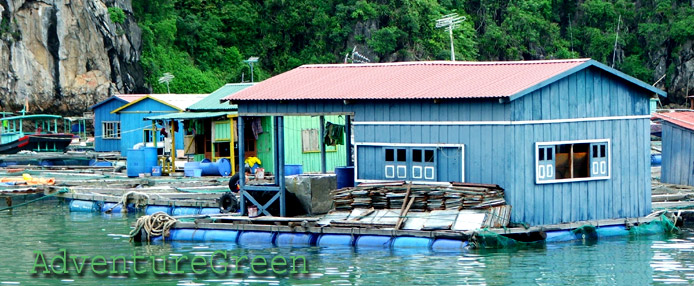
point(568, 140)
point(134, 129)
point(677, 165)
point(107, 129)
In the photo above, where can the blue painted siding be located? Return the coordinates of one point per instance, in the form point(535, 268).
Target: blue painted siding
point(133, 125)
point(491, 158)
point(504, 154)
point(390, 110)
point(103, 113)
point(587, 93)
point(678, 155)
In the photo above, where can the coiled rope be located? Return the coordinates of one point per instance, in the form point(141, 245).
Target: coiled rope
point(156, 224)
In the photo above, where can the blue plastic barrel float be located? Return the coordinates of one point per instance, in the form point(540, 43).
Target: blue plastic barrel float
point(220, 168)
point(185, 211)
point(185, 234)
point(345, 176)
point(656, 159)
point(296, 239)
point(135, 163)
point(84, 206)
point(412, 242)
point(611, 231)
point(256, 238)
point(331, 240)
point(150, 210)
point(373, 241)
point(292, 169)
point(207, 211)
point(221, 235)
point(448, 245)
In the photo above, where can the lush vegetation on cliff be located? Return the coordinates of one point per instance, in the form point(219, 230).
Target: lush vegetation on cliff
point(204, 43)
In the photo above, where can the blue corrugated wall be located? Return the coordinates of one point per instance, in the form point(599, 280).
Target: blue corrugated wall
point(103, 113)
point(133, 125)
point(504, 154)
point(678, 155)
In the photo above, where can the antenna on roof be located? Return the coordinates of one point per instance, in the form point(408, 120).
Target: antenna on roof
point(450, 22)
point(356, 57)
point(166, 79)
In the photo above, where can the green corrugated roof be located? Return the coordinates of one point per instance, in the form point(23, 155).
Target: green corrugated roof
point(189, 115)
point(211, 102)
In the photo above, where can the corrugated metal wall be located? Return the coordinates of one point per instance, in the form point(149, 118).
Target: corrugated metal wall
point(103, 113)
point(133, 125)
point(293, 125)
point(678, 155)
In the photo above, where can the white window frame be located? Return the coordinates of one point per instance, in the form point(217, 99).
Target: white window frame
point(383, 144)
point(104, 130)
point(555, 143)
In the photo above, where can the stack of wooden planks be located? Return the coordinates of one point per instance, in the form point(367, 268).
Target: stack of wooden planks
point(455, 196)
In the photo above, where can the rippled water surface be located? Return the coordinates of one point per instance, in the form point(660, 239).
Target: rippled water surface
point(48, 228)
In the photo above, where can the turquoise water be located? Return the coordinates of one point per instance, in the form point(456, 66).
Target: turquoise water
point(47, 228)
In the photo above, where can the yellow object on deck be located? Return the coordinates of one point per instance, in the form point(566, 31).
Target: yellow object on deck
point(29, 180)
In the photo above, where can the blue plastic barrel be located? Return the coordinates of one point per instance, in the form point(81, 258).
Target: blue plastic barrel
point(46, 163)
point(295, 239)
point(412, 242)
point(656, 159)
point(293, 169)
point(184, 234)
point(84, 206)
point(345, 177)
point(448, 245)
point(156, 171)
point(335, 240)
point(221, 235)
point(185, 211)
point(257, 238)
point(114, 207)
point(560, 236)
point(220, 168)
point(150, 210)
point(150, 158)
point(206, 211)
point(610, 231)
point(374, 241)
point(135, 163)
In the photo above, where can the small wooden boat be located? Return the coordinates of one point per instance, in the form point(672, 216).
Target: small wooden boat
point(44, 138)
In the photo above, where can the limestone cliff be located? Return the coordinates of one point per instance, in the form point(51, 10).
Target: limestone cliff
point(61, 56)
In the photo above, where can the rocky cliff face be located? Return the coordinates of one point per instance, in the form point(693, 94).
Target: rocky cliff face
point(61, 56)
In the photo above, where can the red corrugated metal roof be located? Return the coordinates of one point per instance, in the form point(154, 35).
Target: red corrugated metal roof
point(683, 119)
point(407, 80)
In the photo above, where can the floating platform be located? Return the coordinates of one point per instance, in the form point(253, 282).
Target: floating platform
point(312, 231)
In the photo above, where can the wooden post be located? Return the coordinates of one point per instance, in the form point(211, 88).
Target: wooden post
point(173, 146)
point(242, 169)
point(322, 145)
point(348, 141)
point(279, 122)
point(571, 161)
point(232, 157)
point(212, 135)
point(403, 207)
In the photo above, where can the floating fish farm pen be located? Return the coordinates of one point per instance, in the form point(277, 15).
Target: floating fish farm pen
point(100, 189)
point(396, 215)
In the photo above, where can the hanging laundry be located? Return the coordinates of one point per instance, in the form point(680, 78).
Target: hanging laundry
point(334, 134)
point(257, 127)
